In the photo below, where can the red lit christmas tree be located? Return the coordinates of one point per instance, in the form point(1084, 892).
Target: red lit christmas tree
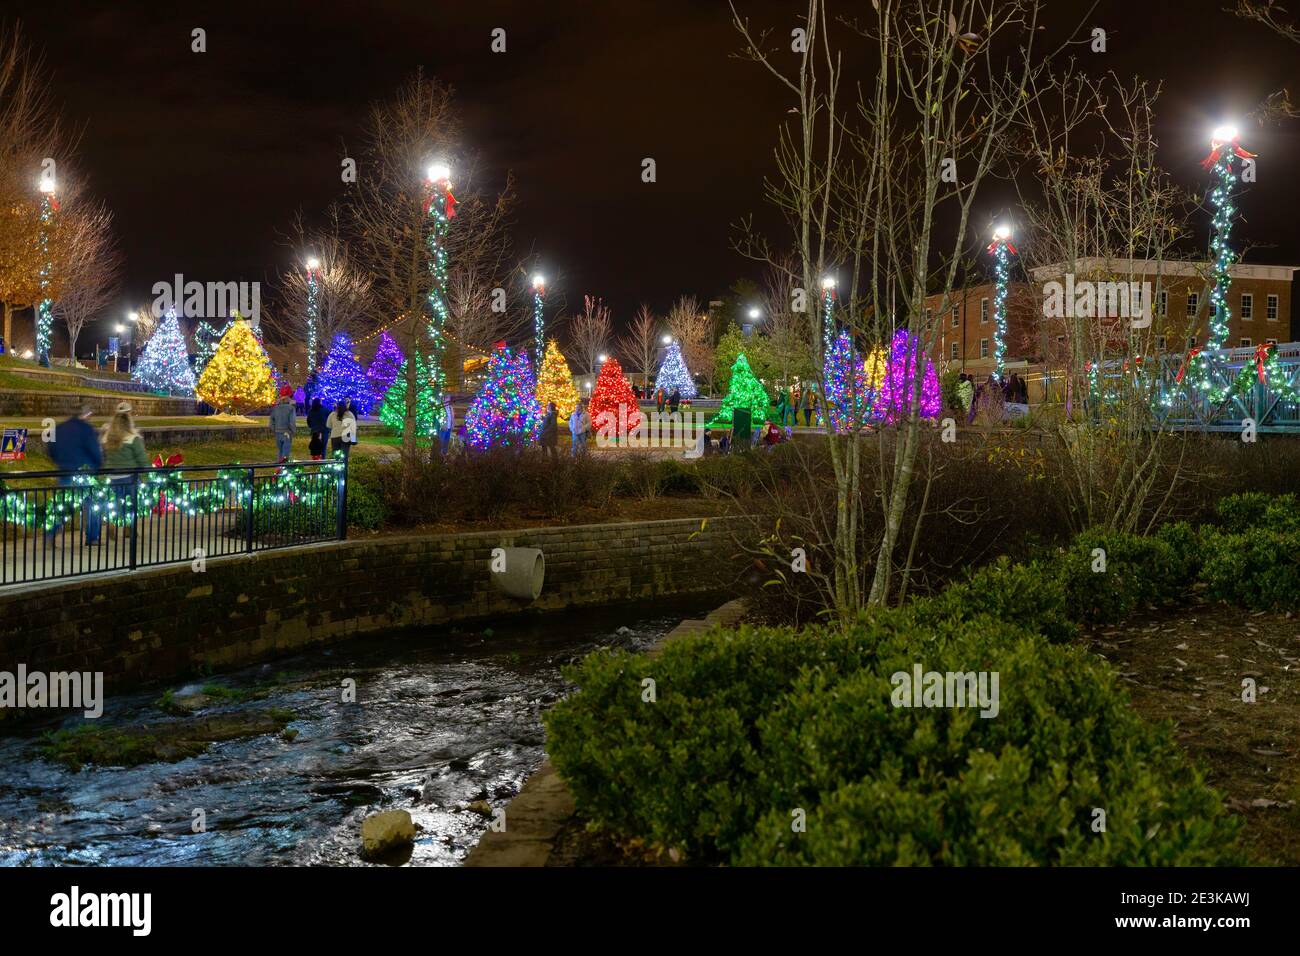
point(612, 398)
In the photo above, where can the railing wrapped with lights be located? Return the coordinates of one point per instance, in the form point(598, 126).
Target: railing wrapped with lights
point(142, 517)
point(1260, 383)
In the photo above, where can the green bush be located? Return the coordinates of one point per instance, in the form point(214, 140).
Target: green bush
point(751, 725)
point(1258, 568)
point(1138, 571)
point(366, 506)
point(1238, 513)
point(1031, 595)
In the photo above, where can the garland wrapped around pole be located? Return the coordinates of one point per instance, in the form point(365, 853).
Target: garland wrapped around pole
point(539, 323)
point(1001, 249)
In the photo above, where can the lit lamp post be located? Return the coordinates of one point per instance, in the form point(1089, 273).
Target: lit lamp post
point(44, 309)
point(539, 321)
point(753, 315)
point(828, 314)
point(313, 311)
point(440, 208)
point(120, 329)
point(1001, 249)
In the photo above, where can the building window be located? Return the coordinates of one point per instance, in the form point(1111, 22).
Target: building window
point(1060, 340)
point(984, 311)
point(954, 317)
point(1247, 305)
point(984, 348)
point(927, 317)
point(1270, 308)
point(1164, 302)
point(954, 351)
point(1245, 343)
point(1161, 343)
point(1191, 342)
point(1193, 300)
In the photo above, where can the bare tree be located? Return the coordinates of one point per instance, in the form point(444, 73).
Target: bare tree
point(589, 331)
point(694, 332)
point(641, 343)
point(342, 288)
point(93, 272)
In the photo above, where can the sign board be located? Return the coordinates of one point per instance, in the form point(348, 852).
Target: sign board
point(13, 444)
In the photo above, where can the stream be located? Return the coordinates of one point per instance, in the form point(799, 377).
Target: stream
point(441, 719)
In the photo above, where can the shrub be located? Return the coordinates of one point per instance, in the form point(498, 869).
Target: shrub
point(366, 507)
point(1237, 513)
point(1030, 595)
point(1137, 571)
point(1258, 568)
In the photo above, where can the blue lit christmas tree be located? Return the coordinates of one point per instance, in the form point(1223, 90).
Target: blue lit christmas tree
point(847, 397)
point(505, 411)
point(341, 376)
point(165, 363)
point(673, 373)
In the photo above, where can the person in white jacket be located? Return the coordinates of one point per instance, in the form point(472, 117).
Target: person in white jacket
point(579, 423)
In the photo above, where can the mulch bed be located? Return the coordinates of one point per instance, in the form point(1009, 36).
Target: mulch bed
point(1187, 666)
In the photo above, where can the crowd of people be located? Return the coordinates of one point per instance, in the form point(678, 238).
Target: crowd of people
point(1012, 389)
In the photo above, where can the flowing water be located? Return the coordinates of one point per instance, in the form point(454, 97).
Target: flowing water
point(439, 721)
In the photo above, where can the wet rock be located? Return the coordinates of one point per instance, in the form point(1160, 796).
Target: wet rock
point(481, 807)
point(384, 834)
point(460, 763)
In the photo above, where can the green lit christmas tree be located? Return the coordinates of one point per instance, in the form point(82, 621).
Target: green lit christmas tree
point(428, 414)
point(743, 391)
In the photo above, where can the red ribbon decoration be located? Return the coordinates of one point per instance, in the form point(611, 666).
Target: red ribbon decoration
point(993, 247)
point(1261, 356)
point(1216, 150)
point(1182, 369)
point(451, 204)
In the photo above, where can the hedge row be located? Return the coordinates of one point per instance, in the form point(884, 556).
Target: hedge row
point(773, 746)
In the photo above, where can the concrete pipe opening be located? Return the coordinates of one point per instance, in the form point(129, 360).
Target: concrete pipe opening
point(519, 572)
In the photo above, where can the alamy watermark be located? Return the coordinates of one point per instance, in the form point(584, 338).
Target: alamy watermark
point(60, 689)
point(208, 300)
point(1098, 300)
point(681, 429)
point(946, 689)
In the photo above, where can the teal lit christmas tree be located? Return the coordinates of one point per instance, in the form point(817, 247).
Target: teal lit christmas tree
point(743, 391)
point(206, 339)
point(428, 414)
point(505, 411)
point(341, 376)
point(847, 396)
point(673, 374)
point(165, 364)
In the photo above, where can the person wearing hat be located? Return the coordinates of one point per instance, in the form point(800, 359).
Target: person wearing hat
point(284, 420)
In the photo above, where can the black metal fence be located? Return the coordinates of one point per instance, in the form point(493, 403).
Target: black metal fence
point(58, 524)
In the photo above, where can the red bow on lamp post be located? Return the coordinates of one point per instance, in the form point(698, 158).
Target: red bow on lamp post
point(1187, 360)
point(1217, 145)
point(450, 199)
point(993, 246)
point(1261, 356)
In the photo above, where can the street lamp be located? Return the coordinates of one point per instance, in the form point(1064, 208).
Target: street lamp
point(439, 173)
point(313, 310)
point(539, 320)
point(601, 358)
point(668, 340)
point(45, 308)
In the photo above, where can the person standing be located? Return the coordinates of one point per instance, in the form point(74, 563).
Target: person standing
point(659, 400)
point(674, 400)
point(550, 434)
point(123, 448)
point(578, 423)
point(342, 426)
point(74, 446)
point(805, 402)
point(284, 421)
point(320, 432)
point(447, 423)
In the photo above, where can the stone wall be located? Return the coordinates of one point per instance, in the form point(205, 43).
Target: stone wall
point(164, 623)
point(62, 404)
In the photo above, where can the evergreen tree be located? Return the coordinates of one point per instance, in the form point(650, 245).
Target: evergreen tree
point(206, 339)
point(612, 391)
point(385, 366)
point(555, 383)
point(165, 363)
point(238, 377)
point(428, 414)
point(341, 376)
point(743, 391)
point(505, 410)
point(846, 386)
point(673, 374)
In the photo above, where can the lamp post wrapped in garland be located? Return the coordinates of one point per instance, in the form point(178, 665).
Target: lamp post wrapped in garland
point(45, 308)
point(440, 207)
point(313, 310)
point(539, 322)
point(1001, 249)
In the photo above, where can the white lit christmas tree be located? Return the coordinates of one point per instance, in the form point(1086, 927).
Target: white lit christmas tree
point(673, 373)
point(164, 364)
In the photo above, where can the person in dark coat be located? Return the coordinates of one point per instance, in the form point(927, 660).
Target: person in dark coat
point(75, 446)
point(316, 417)
point(550, 435)
point(674, 400)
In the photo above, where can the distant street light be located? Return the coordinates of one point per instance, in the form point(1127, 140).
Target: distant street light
point(439, 173)
point(668, 340)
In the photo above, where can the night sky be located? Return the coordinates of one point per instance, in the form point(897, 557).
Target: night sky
point(204, 158)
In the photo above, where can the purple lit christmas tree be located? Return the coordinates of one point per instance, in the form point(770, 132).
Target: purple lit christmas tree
point(847, 400)
point(388, 361)
point(898, 391)
point(341, 376)
point(505, 411)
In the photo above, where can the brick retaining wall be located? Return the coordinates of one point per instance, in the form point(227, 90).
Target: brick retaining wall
point(163, 623)
point(62, 404)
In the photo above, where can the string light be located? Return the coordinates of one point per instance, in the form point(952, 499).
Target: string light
point(673, 373)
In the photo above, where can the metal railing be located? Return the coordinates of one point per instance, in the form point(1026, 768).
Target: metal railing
point(59, 524)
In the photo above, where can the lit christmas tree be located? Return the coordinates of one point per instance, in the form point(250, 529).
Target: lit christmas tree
point(898, 391)
point(238, 378)
point(743, 391)
point(611, 391)
point(428, 414)
point(206, 339)
point(847, 399)
point(673, 373)
point(875, 366)
point(341, 376)
point(165, 363)
point(385, 366)
point(505, 410)
point(555, 383)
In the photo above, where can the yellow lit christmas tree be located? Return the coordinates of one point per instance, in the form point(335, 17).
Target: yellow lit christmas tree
point(238, 377)
point(555, 382)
